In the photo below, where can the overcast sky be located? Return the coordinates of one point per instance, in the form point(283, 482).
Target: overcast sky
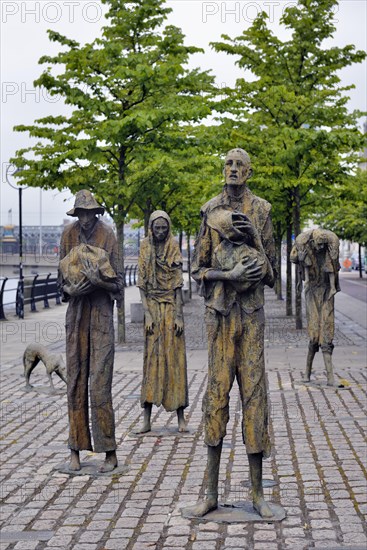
point(24, 41)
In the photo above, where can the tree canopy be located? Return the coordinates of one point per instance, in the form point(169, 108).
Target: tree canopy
point(125, 90)
point(133, 133)
point(292, 115)
point(347, 213)
point(128, 92)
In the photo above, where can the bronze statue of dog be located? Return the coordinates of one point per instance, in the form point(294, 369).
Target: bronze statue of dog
point(34, 353)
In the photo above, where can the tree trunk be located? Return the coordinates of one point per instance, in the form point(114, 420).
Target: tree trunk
point(289, 311)
point(360, 260)
point(180, 236)
point(147, 213)
point(297, 231)
point(278, 244)
point(146, 223)
point(189, 264)
point(121, 333)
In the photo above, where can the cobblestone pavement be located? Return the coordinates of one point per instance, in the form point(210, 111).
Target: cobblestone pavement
point(318, 461)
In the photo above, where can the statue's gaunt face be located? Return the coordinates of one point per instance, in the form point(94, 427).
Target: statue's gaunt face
point(236, 170)
point(160, 229)
point(87, 218)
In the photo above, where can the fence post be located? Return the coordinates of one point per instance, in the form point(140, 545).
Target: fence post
point(33, 301)
point(45, 297)
point(19, 300)
point(2, 314)
point(58, 295)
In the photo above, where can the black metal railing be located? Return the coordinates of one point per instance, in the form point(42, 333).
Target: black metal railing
point(40, 288)
point(131, 274)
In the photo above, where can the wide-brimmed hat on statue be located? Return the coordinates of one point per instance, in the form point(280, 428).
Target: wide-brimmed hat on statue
point(84, 200)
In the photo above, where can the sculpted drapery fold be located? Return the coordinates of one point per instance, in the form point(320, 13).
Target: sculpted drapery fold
point(160, 277)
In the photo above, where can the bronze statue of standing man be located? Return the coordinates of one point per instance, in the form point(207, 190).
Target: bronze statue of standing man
point(90, 279)
point(317, 254)
point(233, 260)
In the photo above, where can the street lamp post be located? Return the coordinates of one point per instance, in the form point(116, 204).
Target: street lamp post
point(40, 235)
point(20, 294)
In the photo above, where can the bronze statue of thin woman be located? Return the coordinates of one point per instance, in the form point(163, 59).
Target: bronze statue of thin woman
point(160, 281)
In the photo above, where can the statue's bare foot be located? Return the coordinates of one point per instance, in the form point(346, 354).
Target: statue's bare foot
point(74, 463)
point(182, 427)
point(146, 427)
point(181, 420)
point(201, 508)
point(110, 462)
point(330, 382)
point(262, 507)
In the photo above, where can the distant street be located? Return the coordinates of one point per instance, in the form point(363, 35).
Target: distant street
point(317, 465)
point(351, 284)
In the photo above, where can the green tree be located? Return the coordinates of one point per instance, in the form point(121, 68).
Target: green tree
point(125, 90)
point(178, 174)
point(345, 211)
point(292, 115)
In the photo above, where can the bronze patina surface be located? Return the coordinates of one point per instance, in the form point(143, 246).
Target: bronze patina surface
point(54, 363)
point(316, 253)
point(234, 258)
point(91, 468)
point(160, 281)
point(239, 512)
point(90, 280)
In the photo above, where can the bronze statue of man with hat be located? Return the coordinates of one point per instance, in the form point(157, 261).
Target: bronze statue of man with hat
point(233, 261)
point(90, 280)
